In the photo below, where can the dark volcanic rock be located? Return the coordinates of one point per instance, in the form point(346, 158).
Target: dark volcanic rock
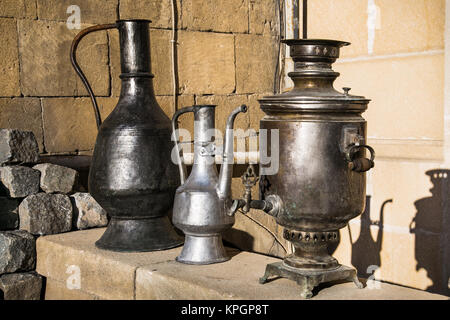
point(45, 213)
point(18, 146)
point(19, 181)
point(21, 286)
point(55, 178)
point(17, 251)
point(9, 213)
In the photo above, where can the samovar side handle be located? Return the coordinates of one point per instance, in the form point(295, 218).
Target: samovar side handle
point(175, 138)
point(360, 164)
point(77, 68)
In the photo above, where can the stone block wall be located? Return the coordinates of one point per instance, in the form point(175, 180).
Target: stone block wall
point(227, 54)
point(35, 200)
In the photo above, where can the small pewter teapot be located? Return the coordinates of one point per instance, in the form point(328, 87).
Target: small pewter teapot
point(203, 207)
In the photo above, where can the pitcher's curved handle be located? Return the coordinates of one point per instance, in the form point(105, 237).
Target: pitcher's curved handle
point(77, 68)
point(175, 137)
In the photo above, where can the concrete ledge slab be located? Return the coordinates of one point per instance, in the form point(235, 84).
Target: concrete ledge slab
point(55, 290)
point(72, 257)
point(238, 279)
point(76, 269)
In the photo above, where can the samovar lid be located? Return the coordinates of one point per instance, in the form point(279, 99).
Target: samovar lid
point(313, 78)
point(314, 49)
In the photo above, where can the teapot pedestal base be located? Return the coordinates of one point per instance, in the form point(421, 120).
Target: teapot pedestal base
point(203, 250)
point(139, 235)
point(309, 279)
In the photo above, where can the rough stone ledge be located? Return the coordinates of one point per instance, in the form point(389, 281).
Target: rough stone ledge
point(76, 269)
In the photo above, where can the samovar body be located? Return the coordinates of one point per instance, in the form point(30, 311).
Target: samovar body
point(321, 148)
point(318, 191)
point(131, 175)
point(315, 184)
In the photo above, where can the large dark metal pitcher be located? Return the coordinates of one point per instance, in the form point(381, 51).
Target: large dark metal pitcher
point(131, 174)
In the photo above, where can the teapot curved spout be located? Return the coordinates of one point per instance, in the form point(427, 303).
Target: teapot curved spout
point(226, 170)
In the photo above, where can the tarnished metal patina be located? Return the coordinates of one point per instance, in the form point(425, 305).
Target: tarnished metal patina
point(321, 178)
point(203, 207)
point(131, 175)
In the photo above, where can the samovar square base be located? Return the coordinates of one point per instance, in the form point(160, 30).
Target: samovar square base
point(309, 279)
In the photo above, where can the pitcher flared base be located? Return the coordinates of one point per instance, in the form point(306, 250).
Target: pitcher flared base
point(203, 250)
point(139, 235)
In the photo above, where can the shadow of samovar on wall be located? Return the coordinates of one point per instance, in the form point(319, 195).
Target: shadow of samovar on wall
point(431, 228)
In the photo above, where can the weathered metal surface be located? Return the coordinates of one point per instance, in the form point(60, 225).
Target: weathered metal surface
point(203, 201)
point(307, 279)
point(131, 175)
point(321, 180)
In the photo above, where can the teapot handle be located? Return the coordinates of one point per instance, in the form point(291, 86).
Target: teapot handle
point(175, 137)
point(77, 68)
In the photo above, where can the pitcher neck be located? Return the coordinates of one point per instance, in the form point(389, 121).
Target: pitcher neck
point(135, 61)
point(204, 135)
point(134, 40)
point(137, 86)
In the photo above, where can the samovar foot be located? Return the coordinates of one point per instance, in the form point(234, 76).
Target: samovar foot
point(356, 281)
point(266, 275)
point(263, 279)
point(306, 292)
point(272, 269)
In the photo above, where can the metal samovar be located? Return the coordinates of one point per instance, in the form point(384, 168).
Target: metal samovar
point(320, 182)
point(131, 175)
point(203, 207)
